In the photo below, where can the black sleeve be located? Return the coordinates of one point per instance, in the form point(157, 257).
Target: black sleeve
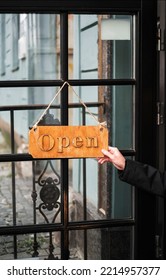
point(144, 176)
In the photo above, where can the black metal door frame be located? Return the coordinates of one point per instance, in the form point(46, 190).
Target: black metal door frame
point(161, 64)
point(147, 130)
point(144, 149)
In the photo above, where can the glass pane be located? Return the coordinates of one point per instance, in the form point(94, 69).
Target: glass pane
point(84, 99)
point(123, 100)
point(28, 96)
point(30, 193)
point(24, 108)
point(115, 28)
point(40, 246)
point(122, 195)
point(5, 133)
point(6, 218)
point(103, 244)
point(99, 54)
point(29, 46)
point(85, 190)
point(93, 199)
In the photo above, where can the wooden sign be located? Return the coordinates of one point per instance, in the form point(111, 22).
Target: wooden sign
point(68, 141)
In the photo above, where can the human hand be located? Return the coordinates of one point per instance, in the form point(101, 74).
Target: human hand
point(114, 156)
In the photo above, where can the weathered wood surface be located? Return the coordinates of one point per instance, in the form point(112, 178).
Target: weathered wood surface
point(67, 141)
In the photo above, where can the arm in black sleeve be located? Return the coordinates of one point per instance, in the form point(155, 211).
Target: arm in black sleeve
point(144, 176)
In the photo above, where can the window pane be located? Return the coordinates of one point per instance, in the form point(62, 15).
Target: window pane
point(98, 56)
point(122, 117)
point(29, 49)
point(2, 44)
point(122, 195)
point(19, 103)
point(102, 244)
point(15, 38)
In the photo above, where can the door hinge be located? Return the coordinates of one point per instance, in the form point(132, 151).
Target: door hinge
point(160, 113)
point(160, 38)
point(158, 250)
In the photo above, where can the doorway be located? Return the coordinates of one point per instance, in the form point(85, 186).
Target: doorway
point(110, 75)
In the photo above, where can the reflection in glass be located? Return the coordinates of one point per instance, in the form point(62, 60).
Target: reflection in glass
point(100, 49)
point(115, 29)
point(102, 244)
point(29, 50)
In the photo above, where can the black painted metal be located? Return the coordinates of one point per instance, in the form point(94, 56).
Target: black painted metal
point(80, 225)
point(146, 126)
point(83, 82)
point(64, 121)
point(27, 157)
point(49, 195)
point(65, 7)
point(61, 6)
point(84, 192)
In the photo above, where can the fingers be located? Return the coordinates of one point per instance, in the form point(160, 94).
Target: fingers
point(109, 155)
point(103, 160)
point(114, 156)
point(111, 149)
point(106, 158)
point(106, 153)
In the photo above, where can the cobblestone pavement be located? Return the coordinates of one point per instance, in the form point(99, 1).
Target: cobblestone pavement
point(24, 216)
point(23, 244)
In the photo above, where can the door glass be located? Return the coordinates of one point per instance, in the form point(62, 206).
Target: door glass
point(103, 48)
point(30, 50)
point(100, 244)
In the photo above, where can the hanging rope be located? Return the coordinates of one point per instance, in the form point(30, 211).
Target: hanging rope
point(56, 95)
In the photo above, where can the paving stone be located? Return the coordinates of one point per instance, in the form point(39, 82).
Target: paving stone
point(24, 216)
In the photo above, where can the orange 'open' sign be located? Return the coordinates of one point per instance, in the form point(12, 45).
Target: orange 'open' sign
point(68, 141)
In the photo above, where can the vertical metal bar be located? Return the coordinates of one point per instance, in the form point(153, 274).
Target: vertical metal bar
point(84, 192)
point(64, 121)
point(13, 182)
point(34, 198)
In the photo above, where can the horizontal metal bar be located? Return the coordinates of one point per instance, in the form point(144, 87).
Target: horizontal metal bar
point(31, 83)
point(16, 157)
point(100, 224)
point(51, 83)
point(73, 6)
point(21, 157)
point(128, 152)
point(27, 107)
point(102, 82)
point(28, 157)
point(25, 229)
point(32, 107)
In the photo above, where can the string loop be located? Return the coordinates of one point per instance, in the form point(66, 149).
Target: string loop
point(58, 92)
